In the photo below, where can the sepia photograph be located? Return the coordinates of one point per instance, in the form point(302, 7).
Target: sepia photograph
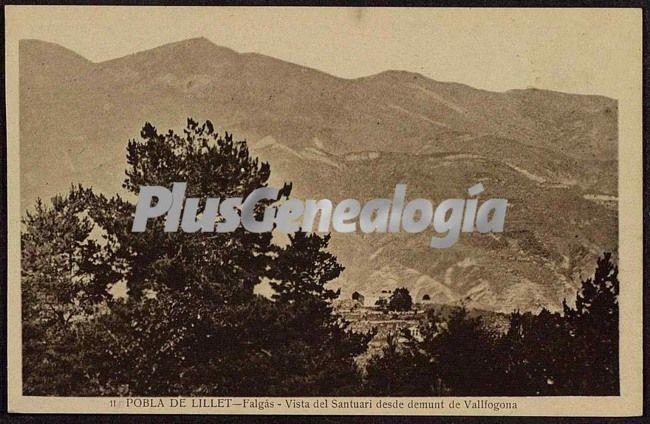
point(324, 211)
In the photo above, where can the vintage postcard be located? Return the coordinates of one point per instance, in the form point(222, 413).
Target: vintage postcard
point(340, 211)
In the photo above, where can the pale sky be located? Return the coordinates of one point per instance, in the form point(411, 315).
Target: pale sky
point(571, 50)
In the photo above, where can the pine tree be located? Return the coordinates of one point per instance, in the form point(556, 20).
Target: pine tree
point(535, 355)
point(324, 347)
point(594, 331)
point(66, 276)
point(464, 351)
point(400, 300)
point(191, 323)
point(405, 366)
point(303, 269)
point(574, 353)
point(400, 371)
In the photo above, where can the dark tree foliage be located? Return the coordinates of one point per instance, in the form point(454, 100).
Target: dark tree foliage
point(191, 323)
point(537, 352)
point(575, 352)
point(464, 347)
point(594, 327)
point(407, 368)
point(222, 266)
point(64, 281)
point(400, 371)
point(303, 268)
point(543, 354)
point(324, 347)
point(400, 300)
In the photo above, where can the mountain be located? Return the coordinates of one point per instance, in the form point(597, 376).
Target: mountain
point(552, 155)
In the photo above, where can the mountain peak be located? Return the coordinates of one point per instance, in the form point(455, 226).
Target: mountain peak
point(47, 62)
point(532, 148)
point(398, 74)
point(199, 47)
point(46, 51)
point(191, 43)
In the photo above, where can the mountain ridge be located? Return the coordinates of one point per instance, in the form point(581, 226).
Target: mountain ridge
point(190, 42)
point(337, 138)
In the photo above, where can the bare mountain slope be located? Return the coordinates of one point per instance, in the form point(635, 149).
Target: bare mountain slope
point(546, 152)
